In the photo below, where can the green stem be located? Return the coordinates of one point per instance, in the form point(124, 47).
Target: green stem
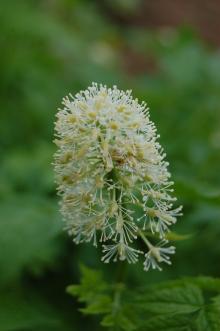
point(147, 242)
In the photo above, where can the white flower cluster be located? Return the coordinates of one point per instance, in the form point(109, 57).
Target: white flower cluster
point(111, 175)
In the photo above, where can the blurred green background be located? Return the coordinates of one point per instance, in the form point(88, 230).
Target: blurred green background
point(50, 48)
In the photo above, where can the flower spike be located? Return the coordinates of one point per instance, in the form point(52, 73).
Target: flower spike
point(110, 167)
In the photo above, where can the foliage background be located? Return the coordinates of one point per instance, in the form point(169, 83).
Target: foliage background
point(51, 48)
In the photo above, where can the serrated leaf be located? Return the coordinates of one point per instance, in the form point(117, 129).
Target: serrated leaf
point(92, 284)
point(173, 322)
point(203, 282)
point(102, 298)
point(121, 321)
point(209, 318)
point(185, 299)
point(100, 305)
point(182, 305)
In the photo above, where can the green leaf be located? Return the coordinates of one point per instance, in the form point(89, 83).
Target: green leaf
point(182, 305)
point(100, 305)
point(185, 299)
point(209, 317)
point(205, 283)
point(121, 321)
point(92, 284)
point(105, 299)
point(189, 304)
point(173, 322)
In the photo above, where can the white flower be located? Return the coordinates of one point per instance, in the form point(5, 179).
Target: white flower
point(120, 251)
point(157, 255)
point(109, 164)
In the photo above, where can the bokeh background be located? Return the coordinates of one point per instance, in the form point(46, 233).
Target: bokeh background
point(168, 53)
